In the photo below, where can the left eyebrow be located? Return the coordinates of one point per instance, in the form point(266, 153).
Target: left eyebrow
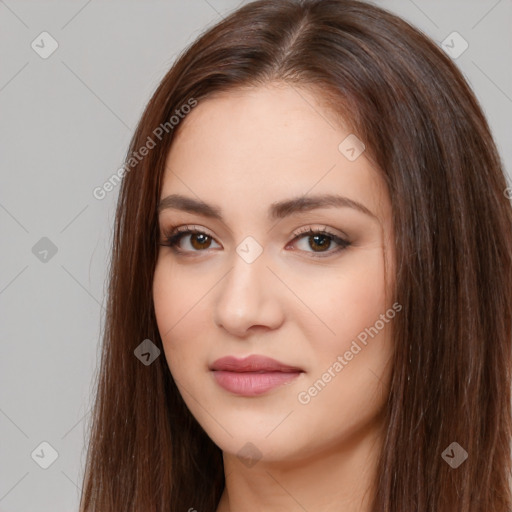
point(277, 210)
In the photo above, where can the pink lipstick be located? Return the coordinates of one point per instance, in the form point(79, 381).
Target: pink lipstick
point(253, 375)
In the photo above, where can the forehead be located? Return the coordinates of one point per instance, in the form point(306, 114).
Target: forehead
point(279, 120)
point(252, 147)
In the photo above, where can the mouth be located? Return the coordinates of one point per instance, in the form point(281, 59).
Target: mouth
point(253, 375)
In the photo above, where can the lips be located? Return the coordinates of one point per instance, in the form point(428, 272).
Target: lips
point(253, 375)
point(253, 363)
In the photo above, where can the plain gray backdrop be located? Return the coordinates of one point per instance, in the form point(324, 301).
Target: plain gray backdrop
point(65, 123)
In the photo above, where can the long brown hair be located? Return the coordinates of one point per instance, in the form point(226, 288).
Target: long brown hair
point(425, 131)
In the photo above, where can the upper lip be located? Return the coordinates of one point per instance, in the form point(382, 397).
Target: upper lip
point(254, 363)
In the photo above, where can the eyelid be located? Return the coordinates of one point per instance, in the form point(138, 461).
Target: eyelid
point(324, 229)
point(185, 229)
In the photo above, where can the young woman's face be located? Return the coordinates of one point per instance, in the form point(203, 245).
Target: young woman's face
point(252, 283)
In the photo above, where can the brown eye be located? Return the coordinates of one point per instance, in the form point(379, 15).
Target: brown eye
point(200, 241)
point(321, 241)
point(318, 244)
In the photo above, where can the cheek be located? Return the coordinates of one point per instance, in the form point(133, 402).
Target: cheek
point(345, 301)
point(350, 369)
point(180, 315)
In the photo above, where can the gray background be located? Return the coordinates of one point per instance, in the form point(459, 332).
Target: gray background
point(65, 123)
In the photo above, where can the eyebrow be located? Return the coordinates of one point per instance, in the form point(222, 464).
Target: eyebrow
point(277, 210)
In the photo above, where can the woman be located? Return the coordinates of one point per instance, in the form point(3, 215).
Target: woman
point(311, 285)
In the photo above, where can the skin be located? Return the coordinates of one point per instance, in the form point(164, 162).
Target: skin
point(242, 151)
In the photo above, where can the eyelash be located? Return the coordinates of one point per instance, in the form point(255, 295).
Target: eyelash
point(173, 237)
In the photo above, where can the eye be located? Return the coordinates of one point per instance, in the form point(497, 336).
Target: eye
point(198, 241)
point(320, 240)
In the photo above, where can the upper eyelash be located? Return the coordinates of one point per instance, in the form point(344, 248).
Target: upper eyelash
point(172, 238)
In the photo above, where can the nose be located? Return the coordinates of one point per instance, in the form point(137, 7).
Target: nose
point(249, 298)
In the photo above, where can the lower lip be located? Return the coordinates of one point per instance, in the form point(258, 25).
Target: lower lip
point(251, 383)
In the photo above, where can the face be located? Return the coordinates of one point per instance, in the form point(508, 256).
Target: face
point(245, 276)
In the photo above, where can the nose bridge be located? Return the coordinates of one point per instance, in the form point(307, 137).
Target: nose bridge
point(242, 286)
point(245, 297)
